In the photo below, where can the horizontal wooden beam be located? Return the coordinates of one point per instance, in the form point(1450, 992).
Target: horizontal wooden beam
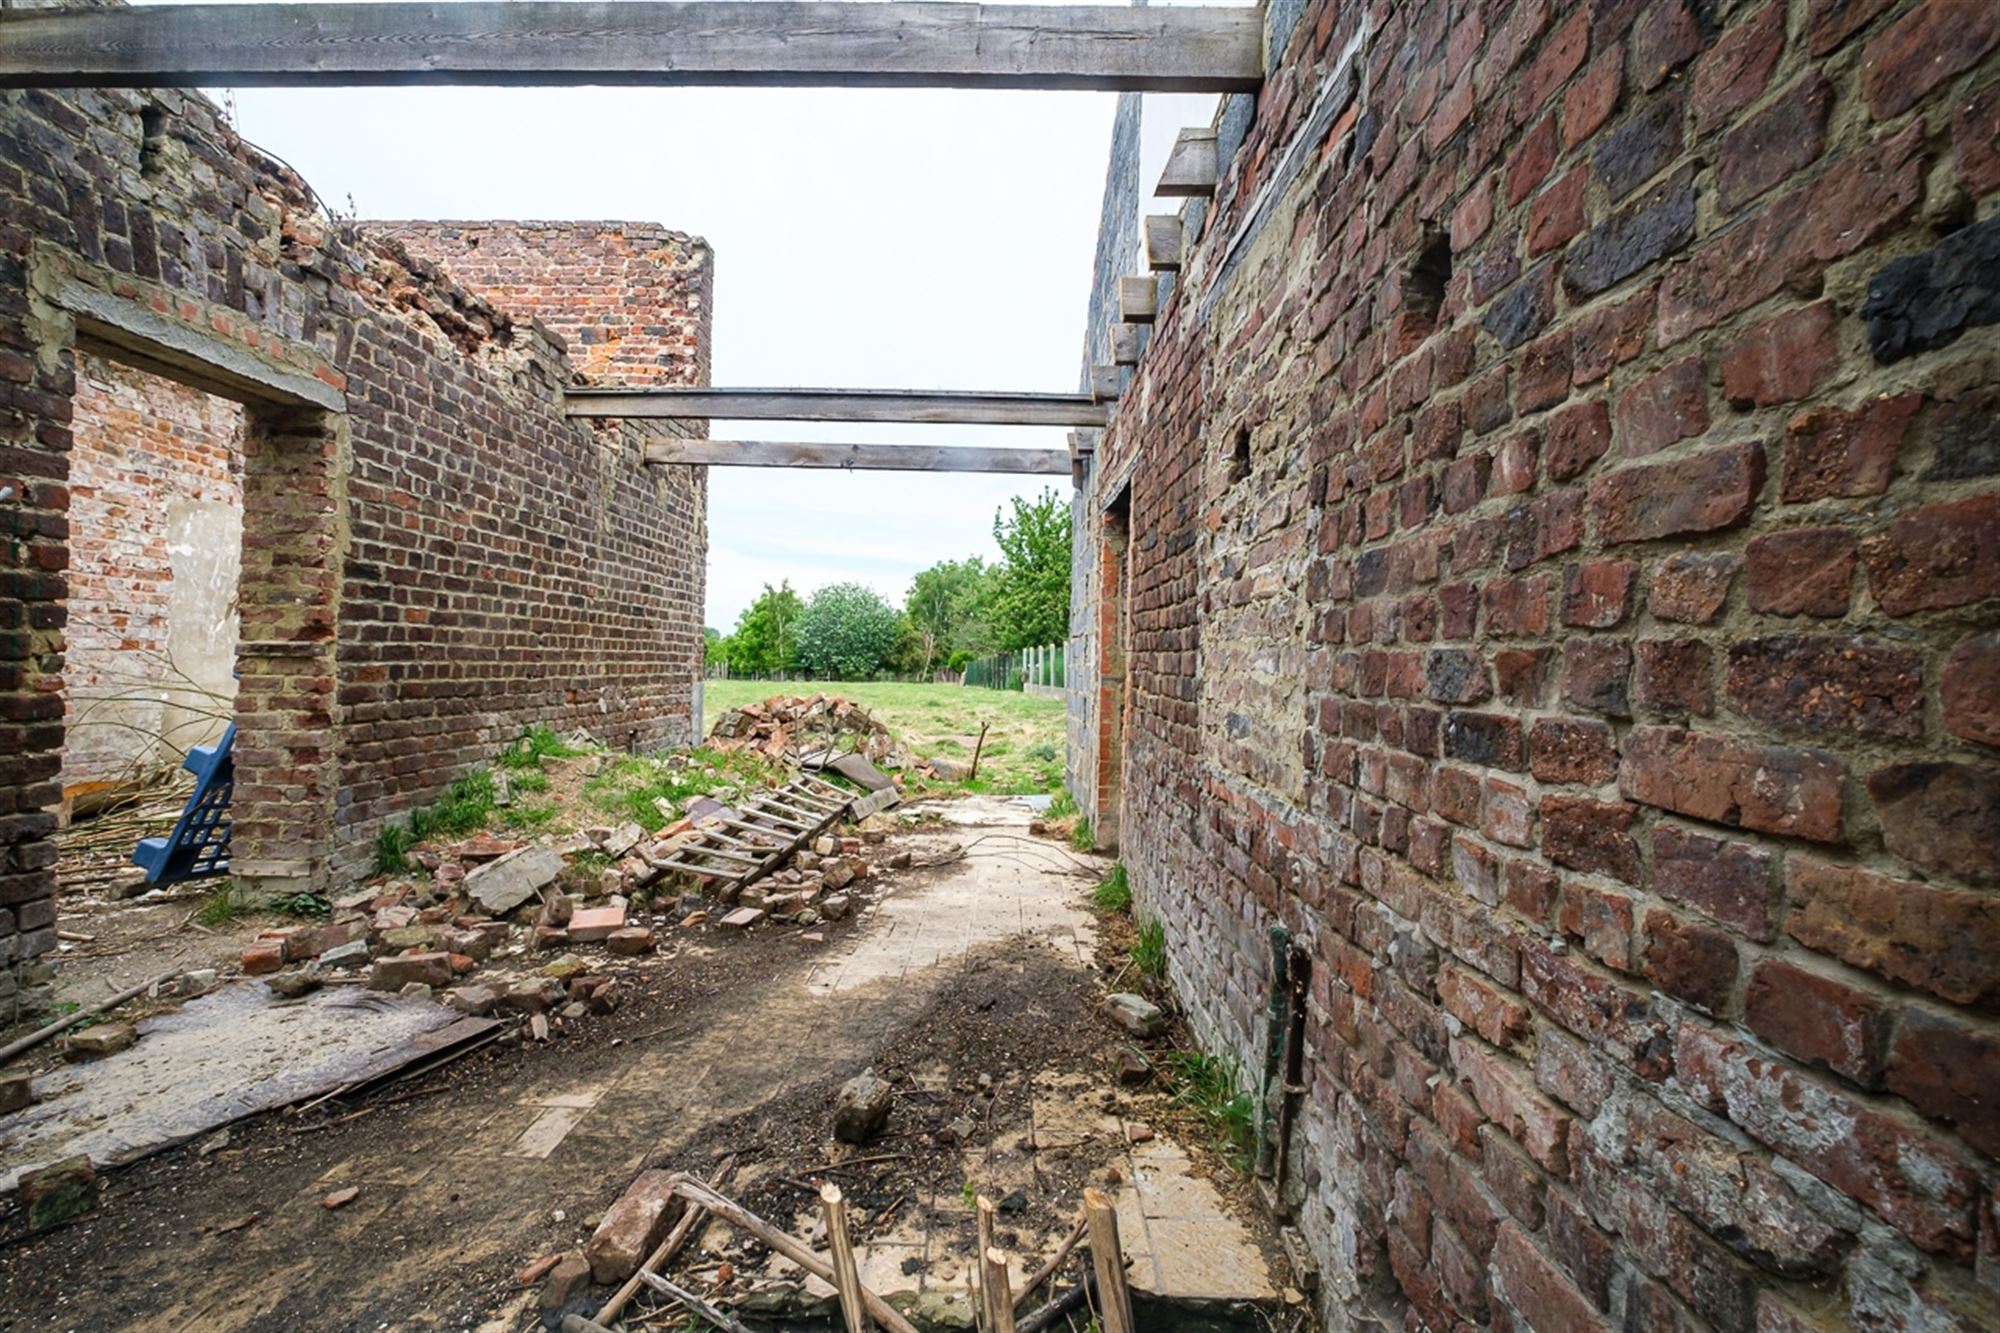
point(911, 405)
point(1163, 242)
point(753, 42)
point(1138, 300)
point(870, 457)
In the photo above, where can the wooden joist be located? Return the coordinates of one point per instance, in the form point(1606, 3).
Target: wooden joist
point(921, 406)
point(1192, 168)
point(1163, 242)
point(1106, 383)
point(1138, 300)
point(1125, 345)
point(865, 457)
point(743, 42)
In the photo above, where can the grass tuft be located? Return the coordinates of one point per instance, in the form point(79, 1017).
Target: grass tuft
point(535, 745)
point(1115, 893)
point(224, 905)
point(309, 905)
point(1210, 1088)
point(1149, 951)
point(1080, 836)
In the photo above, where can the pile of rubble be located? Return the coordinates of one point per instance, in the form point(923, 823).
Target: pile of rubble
point(803, 726)
point(489, 902)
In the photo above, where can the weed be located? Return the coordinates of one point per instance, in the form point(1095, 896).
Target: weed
point(632, 787)
point(224, 905)
point(535, 745)
point(1149, 951)
point(970, 1193)
point(309, 905)
point(1210, 1088)
point(464, 806)
point(1081, 837)
point(529, 779)
point(1046, 753)
point(529, 818)
point(1115, 893)
point(1062, 805)
point(392, 845)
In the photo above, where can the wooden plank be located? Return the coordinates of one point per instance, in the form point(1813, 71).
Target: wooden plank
point(1107, 1260)
point(720, 42)
point(1138, 300)
point(1163, 242)
point(924, 407)
point(1124, 349)
point(846, 1275)
point(1192, 168)
point(860, 457)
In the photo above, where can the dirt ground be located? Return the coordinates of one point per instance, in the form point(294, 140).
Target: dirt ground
point(729, 1045)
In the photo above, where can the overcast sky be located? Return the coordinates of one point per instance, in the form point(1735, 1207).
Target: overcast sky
point(863, 239)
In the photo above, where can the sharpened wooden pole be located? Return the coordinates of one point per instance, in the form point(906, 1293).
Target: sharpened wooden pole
point(986, 1218)
point(993, 1278)
point(846, 1277)
point(1114, 1298)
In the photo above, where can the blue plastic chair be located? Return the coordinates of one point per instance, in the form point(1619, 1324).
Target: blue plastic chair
point(199, 845)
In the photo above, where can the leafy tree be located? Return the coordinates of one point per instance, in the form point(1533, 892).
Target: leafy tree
point(1031, 599)
point(766, 637)
point(846, 632)
point(714, 648)
point(949, 606)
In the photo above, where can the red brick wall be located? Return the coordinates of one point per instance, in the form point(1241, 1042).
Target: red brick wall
point(630, 300)
point(1595, 669)
point(155, 463)
point(443, 563)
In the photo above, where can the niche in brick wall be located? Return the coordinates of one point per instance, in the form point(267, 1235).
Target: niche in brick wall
point(156, 543)
point(1424, 286)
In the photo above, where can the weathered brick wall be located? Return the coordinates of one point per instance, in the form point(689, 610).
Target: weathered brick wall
point(1564, 580)
point(156, 524)
point(632, 301)
point(424, 574)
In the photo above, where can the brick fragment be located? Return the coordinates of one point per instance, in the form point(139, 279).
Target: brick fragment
point(1907, 1177)
point(1802, 571)
point(1969, 689)
point(1783, 359)
point(1692, 589)
point(1829, 682)
point(1940, 940)
point(632, 1227)
point(1729, 881)
point(1944, 1067)
point(1832, 452)
point(1934, 41)
point(1941, 816)
point(1675, 677)
point(1702, 493)
point(1772, 789)
point(1588, 835)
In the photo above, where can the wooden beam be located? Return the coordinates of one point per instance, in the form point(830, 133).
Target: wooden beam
point(1138, 300)
point(921, 406)
point(1106, 383)
point(746, 42)
point(862, 457)
point(1192, 168)
point(1125, 345)
point(1163, 242)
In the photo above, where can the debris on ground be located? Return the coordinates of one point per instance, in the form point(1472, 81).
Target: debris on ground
point(793, 726)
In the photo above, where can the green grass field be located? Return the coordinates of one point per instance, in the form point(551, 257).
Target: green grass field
point(1024, 743)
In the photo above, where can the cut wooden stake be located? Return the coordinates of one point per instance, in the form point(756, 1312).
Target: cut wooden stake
point(742, 1218)
point(1114, 1298)
point(993, 1279)
point(985, 1215)
point(1192, 168)
point(846, 1277)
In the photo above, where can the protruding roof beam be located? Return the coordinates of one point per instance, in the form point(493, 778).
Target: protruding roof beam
point(1193, 166)
point(912, 405)
point(756, 42)
point(1163, 242)
point(1138, 300)
point(872, 457)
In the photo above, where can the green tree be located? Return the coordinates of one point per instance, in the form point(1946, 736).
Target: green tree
point(949, 606)
point(714, 648)
point(766, 637)
point(1031, 596)
point(846, 632)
